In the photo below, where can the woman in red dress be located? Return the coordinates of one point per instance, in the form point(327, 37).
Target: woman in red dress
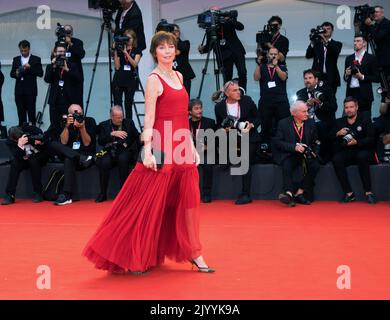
point(156, 215)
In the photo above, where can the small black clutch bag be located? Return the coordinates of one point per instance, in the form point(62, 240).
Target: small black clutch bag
point(159, 155)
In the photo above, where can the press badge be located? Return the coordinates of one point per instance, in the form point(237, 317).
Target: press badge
point(76, 145)
point(271, 84)
point(68, 54)
point(127, 67)
point(61, 83)
point(222, 42)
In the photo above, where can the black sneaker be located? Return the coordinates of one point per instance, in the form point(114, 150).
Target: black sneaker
point(101, 198)
point(286, 199)
point(63, 200)
point(8, 199)
point(300, 198)
point(348, 198)
point(371, 199)
point(37, 198)
point(243, 199)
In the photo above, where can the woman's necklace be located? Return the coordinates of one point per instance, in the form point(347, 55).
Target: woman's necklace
point(166, 73)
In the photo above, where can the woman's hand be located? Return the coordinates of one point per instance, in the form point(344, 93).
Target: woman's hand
point(196, 157)
point(150, 161)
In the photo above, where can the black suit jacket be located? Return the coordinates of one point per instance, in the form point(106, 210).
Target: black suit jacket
point(183, 65)
point(381, 35)
point(285, 139)
point(233, 45)
point(104, 134)
point(327, 111)
point(77, 54)
point(29, 83)
point(133, 21)
point(72, 81)
point(368, 68)
point(317, 53)
point(248, 112)
point(1, 101)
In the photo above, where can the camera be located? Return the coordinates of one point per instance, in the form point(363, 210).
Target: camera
point(348, 137)
point(163, 25)
point(120, 43)
point(34, 137)
point(112, 148)
point(309, 153)
point(232, 122)
point(315, 33)
point(212, 18)
point(112, 5)
point(317, 95)
point(265, 36)
point(354, 69)
point(60, 61)
point(79, 117)
point(362, 13)
point(61, 33)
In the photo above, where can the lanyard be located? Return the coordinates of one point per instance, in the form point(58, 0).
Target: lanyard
point(195, 134)
point(62, 73)
point(276, 39)
point(299, 132)
point(127, 59)
point(271, 74)
point(359, 60)
point(221, 32)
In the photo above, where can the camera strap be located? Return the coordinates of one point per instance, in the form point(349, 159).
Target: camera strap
point(276, 39)
point(195, 134)
point(299, 131)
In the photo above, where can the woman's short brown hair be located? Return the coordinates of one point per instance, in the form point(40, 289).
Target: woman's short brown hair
point(158, 39)
point(133, 35)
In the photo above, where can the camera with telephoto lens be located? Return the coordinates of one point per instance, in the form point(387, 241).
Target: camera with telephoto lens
point(265, 36)
point(348, 137)
point(120, 43)
point(164, 25)
point(317, 95)
point(211, 19)
point(79, 117)
point(315, 33)
point(61, 33)
point(113, 148)
point(34, 137)
point(232, 122)
point(60, 61)
point(309, 153)
point(361, 14)
point(354, 69)
point(112, 5)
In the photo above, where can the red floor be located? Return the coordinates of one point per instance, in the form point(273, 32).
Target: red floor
point(261, 251)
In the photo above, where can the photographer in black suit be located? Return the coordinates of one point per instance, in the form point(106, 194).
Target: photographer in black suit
point(27, 145)
point(322, 107)
point(129, 16)
point(379, 29)
point(360, 72)
point(25, 69)
point(325, 52)
point(295, 145)
point(121, 141)
point(75, 144)
point(232, 50)
point(243, 111)
point(354, 144)
point(65, 80)
point(181, 62)
point(199, 122)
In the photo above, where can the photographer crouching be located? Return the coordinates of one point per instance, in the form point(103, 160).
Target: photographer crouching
point(27, 145)
point(75, 145)
point(121, 141)
point(295, 146)
point(354, 144)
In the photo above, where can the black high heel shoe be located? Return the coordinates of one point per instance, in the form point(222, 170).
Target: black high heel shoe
point(202, 269)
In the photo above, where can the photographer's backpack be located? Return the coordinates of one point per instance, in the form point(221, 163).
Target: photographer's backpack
point(54, 186)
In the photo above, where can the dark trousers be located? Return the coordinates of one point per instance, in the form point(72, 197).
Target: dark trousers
point(35, 162)
point(290, 165)
point(56, 112)
point(106, 163)
point(26, 105)
point(187, 85)
point(239, 62)
point(270, 114)
point(247, 177)
point(206, 170)
point(129, 98)
point(343, 159)
point(326, 146)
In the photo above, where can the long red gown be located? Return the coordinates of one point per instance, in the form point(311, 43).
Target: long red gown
point(155, 214)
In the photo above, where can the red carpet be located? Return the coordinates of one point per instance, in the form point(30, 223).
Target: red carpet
point(260, 251)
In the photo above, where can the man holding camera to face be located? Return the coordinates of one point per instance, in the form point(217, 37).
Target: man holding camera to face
point(295, 146)
point(360, 72)
point(121, 141)
point(65, 80)
point(354, 144)
point(27, 145)
point(240, 112)
point(273, 103)
point(75, 145)
point(325, 52)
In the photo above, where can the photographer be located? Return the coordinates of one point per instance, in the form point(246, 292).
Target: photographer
point(29, 151)
point(296, 146)
point(181, 62)
point(379, 29)
point(242, 110)
point(273, 102)
point(65, 80)
point(121, 142)
point(25, 69)
point(325, 53)
point(360, 72)
point(199, 122)
point(129, 17)
point(125, 81)
point(322, 107)
point(354, 144)
point(232, 50)
point(275, 39)
point(76, 145)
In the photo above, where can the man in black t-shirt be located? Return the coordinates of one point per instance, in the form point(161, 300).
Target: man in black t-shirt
point(273, 103)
